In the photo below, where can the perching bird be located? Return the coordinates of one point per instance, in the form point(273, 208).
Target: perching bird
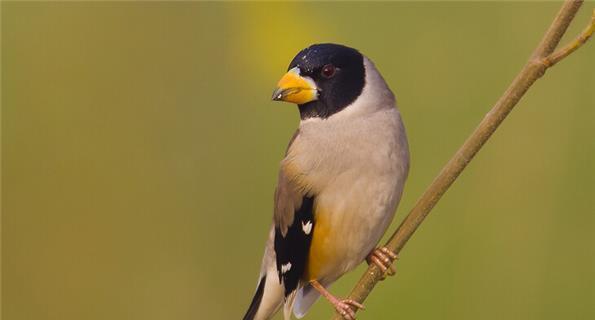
point(339, 183)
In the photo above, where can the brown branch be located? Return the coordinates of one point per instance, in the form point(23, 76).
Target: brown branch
point(533, 70)
point(561, 53)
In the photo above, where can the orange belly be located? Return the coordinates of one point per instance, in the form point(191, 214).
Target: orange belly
point(323, 251)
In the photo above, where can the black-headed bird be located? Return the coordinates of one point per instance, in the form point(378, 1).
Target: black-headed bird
point(339, 183)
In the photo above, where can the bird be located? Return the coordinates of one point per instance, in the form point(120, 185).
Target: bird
point(338, 185)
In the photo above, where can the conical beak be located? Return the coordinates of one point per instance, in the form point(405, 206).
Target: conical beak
point(296, 89)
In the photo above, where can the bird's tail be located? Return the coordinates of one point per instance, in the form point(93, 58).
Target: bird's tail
point(270, 293)
point(305, 298)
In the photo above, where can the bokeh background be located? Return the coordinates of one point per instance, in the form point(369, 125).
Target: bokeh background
point(140, 152)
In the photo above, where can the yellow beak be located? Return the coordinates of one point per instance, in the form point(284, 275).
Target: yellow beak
point(296, 89)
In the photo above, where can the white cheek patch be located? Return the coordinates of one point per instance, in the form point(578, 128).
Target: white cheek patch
point(286, 267)
point(307, 227)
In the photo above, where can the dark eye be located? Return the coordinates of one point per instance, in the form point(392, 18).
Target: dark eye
point(328, 71)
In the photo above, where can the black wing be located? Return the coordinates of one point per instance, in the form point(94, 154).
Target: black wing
point(292, 247)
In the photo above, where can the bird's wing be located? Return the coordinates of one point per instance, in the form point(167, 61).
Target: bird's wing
point(294, 226)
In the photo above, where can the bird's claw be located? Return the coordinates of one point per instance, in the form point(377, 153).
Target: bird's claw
point(343, 307)
point(383, 258)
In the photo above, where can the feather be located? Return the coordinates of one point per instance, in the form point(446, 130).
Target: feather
point(305, 298)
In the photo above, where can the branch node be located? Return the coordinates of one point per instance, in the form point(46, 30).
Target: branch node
point(581, 39)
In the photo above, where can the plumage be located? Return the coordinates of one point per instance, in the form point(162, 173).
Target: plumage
point(341, 179)
point(293, 245)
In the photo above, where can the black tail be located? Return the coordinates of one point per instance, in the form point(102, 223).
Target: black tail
point(251, 313)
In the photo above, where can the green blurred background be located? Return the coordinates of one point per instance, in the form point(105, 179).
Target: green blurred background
point(140, 152)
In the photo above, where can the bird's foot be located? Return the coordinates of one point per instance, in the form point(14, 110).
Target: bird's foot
point(383, 258)
point(343, 306)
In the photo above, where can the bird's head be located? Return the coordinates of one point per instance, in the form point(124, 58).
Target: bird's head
point(322, 80)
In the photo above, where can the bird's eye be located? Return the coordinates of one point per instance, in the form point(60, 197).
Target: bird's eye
point(328, 71)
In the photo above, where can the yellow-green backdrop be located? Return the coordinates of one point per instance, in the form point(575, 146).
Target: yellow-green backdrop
point(140, 150)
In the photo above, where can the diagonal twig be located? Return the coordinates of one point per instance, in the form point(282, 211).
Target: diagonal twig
point(542, 58)
point(561, 53)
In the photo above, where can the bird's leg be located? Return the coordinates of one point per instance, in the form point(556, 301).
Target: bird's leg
point(343, 307)
point(383, 258)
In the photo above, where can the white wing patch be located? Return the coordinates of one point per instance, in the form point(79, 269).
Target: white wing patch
point(307, 227)
point(286, 267)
